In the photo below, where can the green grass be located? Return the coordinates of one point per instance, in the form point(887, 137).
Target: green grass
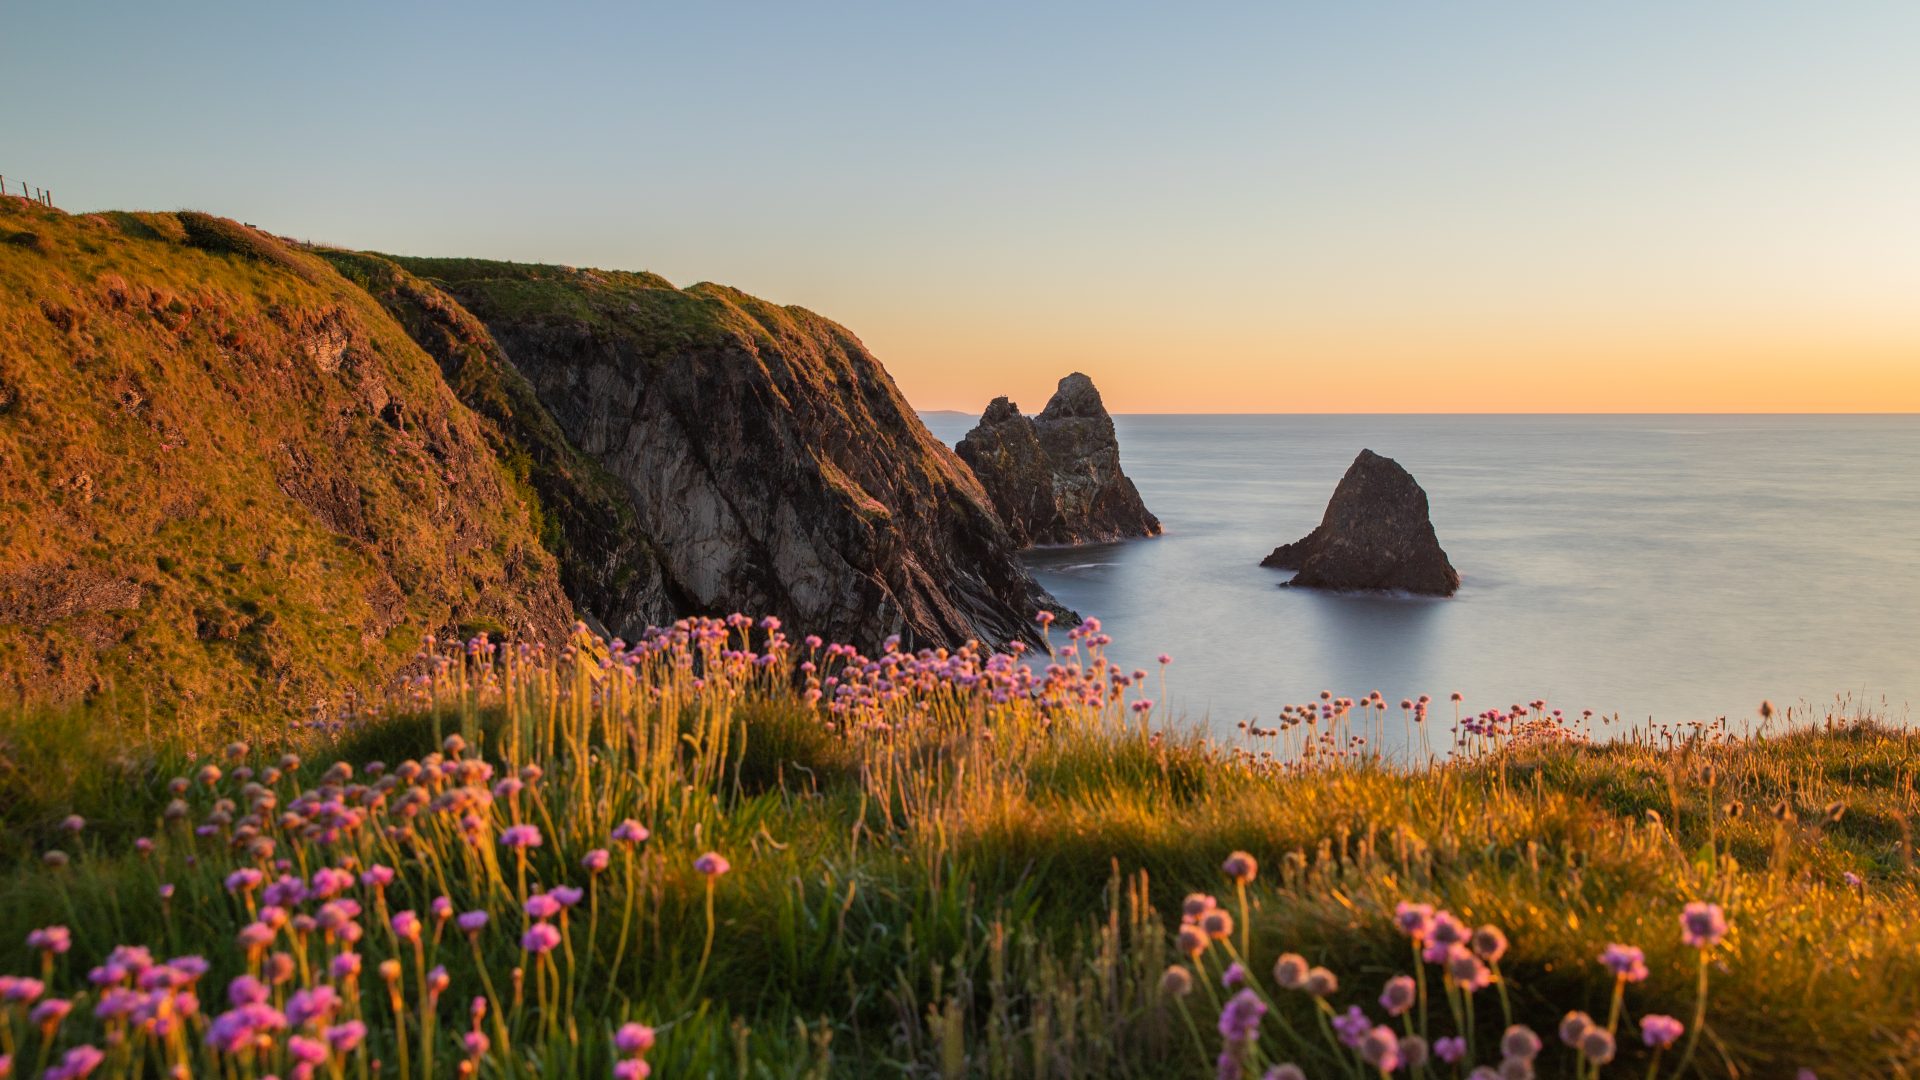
point(232, 486)
point(973, 891)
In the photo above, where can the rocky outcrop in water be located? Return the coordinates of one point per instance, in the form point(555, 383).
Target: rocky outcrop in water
point(771, 463)
point(1056, 478)
point(1375, 535)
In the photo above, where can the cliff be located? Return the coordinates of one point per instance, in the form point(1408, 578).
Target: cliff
point(226, 474)
point(767, 456)
point(1055, 478)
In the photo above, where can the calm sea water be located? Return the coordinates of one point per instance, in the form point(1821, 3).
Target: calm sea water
point(1675, 567)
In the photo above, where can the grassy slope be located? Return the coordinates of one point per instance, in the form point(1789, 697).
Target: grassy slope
point(225, 473)
point(959, 890)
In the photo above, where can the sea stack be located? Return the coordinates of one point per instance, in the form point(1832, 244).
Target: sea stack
point(1375, 535)
point(1056, 478)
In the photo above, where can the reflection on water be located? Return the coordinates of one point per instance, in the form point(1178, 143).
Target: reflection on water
point(1680, 567)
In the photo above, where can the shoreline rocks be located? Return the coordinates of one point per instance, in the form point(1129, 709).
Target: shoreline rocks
point(1376, 535)
point(1055, 478)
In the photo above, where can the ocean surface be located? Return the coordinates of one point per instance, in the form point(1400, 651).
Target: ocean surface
point(1679, 568)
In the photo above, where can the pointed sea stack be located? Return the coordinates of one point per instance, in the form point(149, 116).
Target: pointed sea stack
point(1375, 535)
point(1056, 478)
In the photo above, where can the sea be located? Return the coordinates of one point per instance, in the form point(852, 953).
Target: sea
point(1660, 570)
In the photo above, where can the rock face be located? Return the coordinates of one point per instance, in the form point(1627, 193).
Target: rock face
point(608, 565)
point(1056, 478)
point(1375, 535)
point(770, 462)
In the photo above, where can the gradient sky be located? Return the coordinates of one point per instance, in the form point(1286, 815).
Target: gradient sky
point(1348, 207)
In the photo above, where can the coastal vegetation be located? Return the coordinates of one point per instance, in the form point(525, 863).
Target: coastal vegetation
point(720, 851)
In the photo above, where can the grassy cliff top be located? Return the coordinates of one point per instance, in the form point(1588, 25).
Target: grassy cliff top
point(227, 473)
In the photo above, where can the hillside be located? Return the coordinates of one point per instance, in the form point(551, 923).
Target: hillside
point(226, 473)
point(768, 455)
point(241, 469)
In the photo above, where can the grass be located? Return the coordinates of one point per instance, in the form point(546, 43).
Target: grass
point(942, 866)
point(232, 486)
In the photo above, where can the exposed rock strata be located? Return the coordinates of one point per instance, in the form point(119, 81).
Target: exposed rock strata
point(1055, 478)
point(1375, 535)
point(769, 458)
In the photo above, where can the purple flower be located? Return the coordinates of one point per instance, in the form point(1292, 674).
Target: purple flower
point(1450, 1049)
point(50, 939)
point(540, 938)
point(1235, 975)
point(244, 880)
point(1380, 1048)
point(1399, 995)
point(1241, 867)
point(596, 860)
point(1490, 942)
point(1702, 925)
point(1626, 962)
point(630, 832)
point(1519, 1041)
point(712, 864)
point(1414, 920)
point(1352, 1026)
point(1240, 1017)
point(633, 1039)
point(632, 1069)
point(345, 966)
point(521, 837)
point(406, 925)
point(377, 876)
point(472, 921)
point(76, 1063)
point(1660, 1031)
point(1466, 970)
point(345, 1038)
point(566, 894)
point(314, 1005)
point(307, 1052)
point(476, 1043)
point(542, 905)
point(50, 1011)
point(1290, 971)
point(246, 990)
point(442, 909)
point(1196, 905)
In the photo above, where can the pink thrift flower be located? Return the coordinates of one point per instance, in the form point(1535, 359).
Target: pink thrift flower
point(1660, 1031)
point(1703, 925)
point(521, 837)
point(406, 925)
point(633, 1039)
point(1625, 961)
point(540, 938)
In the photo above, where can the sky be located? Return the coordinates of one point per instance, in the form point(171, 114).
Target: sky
point(1301, 207)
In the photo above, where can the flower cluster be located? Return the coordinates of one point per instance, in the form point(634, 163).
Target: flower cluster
point(1461, 961)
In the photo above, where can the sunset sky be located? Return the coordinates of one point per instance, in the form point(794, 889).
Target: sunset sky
point(1478, 207)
